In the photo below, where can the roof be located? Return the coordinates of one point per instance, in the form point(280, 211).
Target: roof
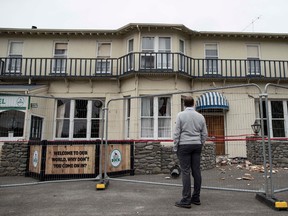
point(136, 27)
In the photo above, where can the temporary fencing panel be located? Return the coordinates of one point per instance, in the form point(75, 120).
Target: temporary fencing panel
point(151, 117)
point(100, 129)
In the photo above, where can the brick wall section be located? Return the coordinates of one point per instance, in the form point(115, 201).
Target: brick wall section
point(13, 159)
point(279, 151)
point(154, 158)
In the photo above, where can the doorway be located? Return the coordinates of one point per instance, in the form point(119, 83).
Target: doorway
point(215, 127)
point(36, 128)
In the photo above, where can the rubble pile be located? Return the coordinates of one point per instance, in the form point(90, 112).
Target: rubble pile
point(223, 163)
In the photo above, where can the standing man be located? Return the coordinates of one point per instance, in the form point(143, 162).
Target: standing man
point(189, 136)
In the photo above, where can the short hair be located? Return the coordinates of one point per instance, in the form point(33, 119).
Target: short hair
point(189, 101)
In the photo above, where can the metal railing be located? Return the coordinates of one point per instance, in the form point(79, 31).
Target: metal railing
point(142, 62)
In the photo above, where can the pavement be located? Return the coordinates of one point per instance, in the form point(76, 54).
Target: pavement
point(127, 195)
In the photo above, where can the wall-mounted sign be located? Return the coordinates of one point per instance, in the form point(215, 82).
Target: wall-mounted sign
point(35, 158)
point(115, 158)
point(18, 102)
point(75, 159)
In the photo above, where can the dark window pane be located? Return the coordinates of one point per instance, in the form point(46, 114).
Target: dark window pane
point(80, 109)
point(63, 108)
point(264, 109)
point(95, 128)
point(96, 109)
point(62, 128)
point(277, 109)
point(164, 106)
point(278, 128)
point(265, 128)
point(80, 128)
point(12, 121)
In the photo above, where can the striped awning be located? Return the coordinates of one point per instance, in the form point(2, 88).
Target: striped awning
point(212, 100)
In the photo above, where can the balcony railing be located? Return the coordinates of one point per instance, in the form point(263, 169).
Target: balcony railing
point(165, 62)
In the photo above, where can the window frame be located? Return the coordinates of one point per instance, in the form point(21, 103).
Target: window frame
point(14, 61)
point(271, 118)
point(182, 55)
point(211, 62)
point(130, 56)
point(11, 136)
point(253, 62)
point(103, 62)
point(71, 120)
point(59, 58)
point(127, 114)
point(155, 57)
point(155, 117)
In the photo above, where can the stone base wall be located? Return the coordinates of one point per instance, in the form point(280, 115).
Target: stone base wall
point(154, 158)
point(279, 150)
point(150, 158)
point(13, 159)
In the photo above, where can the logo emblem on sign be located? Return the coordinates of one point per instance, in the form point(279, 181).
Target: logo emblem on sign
point(20, 101)
point(35, 158)
point(115, 158)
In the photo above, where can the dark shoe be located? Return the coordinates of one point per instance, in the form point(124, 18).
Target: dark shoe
point(183, 205)
point(195, 202)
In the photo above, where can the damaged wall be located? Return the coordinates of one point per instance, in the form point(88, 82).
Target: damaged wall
point(279, 150)
point(153, 158)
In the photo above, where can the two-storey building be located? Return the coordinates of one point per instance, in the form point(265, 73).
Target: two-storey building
point(54, 83)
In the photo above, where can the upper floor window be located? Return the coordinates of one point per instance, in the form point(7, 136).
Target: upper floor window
point(182, 57)
point(103, 64)
point(156, 53)
point(130, 55)
point(211, 58)
point(60, 57)
point(253, 57)
point(14, 61)
point(156, 117)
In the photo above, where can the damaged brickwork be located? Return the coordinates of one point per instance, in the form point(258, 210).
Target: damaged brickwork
point(154, 158)
point(279, 150)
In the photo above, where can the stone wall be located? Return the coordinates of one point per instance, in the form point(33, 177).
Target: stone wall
point(279, 151)
point(150, 158)
point(154, 158)
point(13, 159)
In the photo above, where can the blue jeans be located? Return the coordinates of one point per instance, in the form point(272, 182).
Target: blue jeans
point(189, 157)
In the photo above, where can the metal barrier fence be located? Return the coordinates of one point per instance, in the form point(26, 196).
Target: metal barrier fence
point(136, 119)
point(230, 131)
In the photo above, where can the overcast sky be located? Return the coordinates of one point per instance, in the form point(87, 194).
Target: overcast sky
point(201, 15)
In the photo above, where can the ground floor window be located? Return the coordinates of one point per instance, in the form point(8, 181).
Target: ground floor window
point(79, 119)
point(12, 123)
point(278, 116)
point(156, 117)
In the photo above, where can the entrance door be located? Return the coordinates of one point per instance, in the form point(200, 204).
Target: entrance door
point(36, 128)
point(215, 126)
